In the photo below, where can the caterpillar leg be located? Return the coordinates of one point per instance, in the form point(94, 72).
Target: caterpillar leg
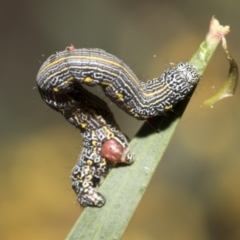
point(91, 198)
point(86, 177)
point(87, 195)
point(100, 152)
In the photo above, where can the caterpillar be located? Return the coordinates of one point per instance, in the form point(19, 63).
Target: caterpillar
point(60, 83)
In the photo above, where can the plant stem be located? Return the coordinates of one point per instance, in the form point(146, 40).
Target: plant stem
point(125, 186)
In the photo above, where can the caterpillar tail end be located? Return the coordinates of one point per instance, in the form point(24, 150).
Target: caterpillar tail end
point(91, 199)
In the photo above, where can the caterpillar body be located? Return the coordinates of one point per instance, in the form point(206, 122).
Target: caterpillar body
point(60, 81)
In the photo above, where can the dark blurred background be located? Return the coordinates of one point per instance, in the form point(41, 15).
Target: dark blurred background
point(194, 193)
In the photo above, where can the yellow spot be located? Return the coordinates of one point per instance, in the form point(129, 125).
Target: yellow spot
point(55, 89)
point(79, 177)
point(119, 96)
point(168, 107)
point(103, 163)
point(85, 184)
point(83, 125)
point(110, 133)
point(89, 177)
point(88, 80)
point(94, 143)
point(89, 162)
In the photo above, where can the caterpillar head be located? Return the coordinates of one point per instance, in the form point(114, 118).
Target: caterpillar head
point(188, 72)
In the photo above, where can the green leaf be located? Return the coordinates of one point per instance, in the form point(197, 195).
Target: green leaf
point(125, 185)
point(229, 86)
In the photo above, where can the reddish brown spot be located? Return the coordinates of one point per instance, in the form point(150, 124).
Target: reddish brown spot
point(70, 48)
point(112, 150)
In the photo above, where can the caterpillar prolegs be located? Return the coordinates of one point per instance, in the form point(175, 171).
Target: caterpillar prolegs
point(60, 81)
